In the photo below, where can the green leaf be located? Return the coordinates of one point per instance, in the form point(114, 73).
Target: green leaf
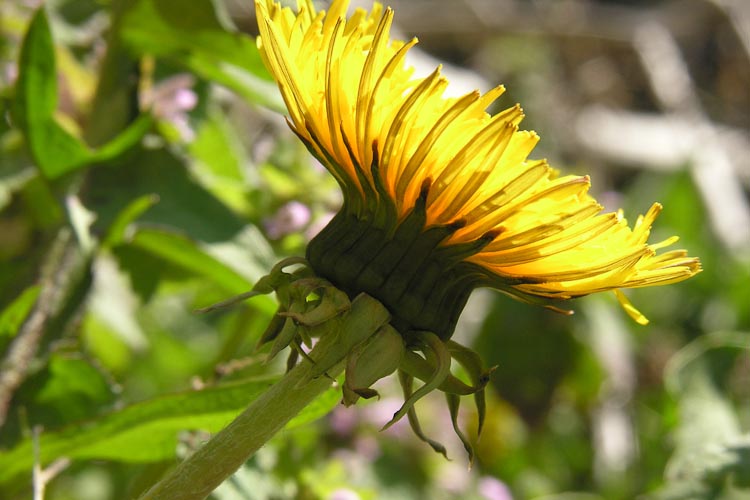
point(185, 253)
point(712, 455)
point(13, 316)
point(70, 388)
point(184, 205)
point(148, 431)
point(191, 34)
point(219, 149)
point(125, 140)
point(54, 149)
point(117, 230)
point(220, 160)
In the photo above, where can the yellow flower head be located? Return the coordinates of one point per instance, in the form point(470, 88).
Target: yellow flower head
point(440, 197)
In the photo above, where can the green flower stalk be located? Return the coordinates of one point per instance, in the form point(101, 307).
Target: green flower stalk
point(341, 330)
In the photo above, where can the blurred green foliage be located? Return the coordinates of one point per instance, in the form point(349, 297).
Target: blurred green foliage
point(144, 181)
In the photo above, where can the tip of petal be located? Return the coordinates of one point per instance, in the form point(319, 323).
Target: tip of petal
point(665, 243)
point(566, 312)
point(634, 313)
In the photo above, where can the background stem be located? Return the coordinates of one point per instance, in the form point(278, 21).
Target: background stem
point(65, 281)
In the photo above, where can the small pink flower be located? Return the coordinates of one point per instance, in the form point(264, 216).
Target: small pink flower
point(171, 100)
point(344, 494)
point(290, 218)
point(493, 489)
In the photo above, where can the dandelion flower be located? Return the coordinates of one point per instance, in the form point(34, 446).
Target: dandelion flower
point(440, 197)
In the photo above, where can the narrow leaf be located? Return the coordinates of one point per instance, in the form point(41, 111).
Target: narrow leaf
point(149, 431)
point(117, 230)
point(13, 316)
point(187, 254)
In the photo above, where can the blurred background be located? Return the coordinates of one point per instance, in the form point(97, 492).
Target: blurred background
point(117, 223)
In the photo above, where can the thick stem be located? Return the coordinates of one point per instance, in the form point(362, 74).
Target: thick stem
point(200, 474)
point(197, 476)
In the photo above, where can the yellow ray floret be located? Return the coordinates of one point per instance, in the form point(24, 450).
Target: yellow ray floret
point(390, 138)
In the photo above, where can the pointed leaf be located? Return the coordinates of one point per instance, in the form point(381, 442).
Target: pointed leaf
point(13, 316)
point(149, 431)
point(187, 254)
point(54, 149)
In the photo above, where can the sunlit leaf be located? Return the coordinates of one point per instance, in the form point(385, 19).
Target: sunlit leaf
point(149, 431)
point(191, 34)
point(179, 250)
point(218, 148)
